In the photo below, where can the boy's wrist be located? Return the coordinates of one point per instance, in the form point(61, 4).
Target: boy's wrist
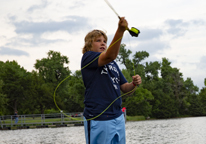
point(121, 29)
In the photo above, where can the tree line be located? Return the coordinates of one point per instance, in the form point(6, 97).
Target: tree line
point(163, 92)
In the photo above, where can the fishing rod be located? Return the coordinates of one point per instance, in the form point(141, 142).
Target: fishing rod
point(133, 31)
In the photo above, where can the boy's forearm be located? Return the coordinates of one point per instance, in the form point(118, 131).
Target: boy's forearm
point(114, 47)
point(129, 87)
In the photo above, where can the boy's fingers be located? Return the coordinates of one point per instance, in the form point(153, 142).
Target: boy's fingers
point(137, 79)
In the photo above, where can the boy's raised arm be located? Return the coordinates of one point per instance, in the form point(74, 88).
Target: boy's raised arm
point(111, 53)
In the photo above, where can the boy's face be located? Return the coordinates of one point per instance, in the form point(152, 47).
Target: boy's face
point(99, 44)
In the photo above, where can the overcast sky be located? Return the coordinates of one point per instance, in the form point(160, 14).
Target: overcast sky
point(175, 29)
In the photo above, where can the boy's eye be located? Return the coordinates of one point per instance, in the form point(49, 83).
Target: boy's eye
point(99, 40)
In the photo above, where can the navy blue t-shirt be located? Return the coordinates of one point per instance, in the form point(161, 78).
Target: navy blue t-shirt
point(102, 87)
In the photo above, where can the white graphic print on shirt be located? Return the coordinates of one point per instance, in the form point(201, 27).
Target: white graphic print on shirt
point(114, 79)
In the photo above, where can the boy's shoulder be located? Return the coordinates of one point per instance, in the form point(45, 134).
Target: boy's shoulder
point(90, 54)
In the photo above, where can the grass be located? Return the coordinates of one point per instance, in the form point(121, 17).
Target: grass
point(30, 120)
point(135, 118)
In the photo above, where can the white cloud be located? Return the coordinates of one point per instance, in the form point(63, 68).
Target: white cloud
point(12, 52)
point(42, 5)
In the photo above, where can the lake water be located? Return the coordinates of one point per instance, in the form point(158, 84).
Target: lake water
point(170, 131)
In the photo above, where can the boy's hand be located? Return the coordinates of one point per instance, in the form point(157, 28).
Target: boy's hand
point(123, 25)
point(136, 80)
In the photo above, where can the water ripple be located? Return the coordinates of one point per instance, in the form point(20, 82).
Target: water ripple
point(169, 131)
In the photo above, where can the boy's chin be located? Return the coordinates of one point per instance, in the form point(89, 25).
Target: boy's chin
point(102, 50)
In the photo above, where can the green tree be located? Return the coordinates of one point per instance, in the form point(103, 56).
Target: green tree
point(152, 71)
point(135, 64)
point(138, 102)
point(53, 70)
point(172, 95)
point(163, 104)
point(173, 84)
point(12, 76)
point(75, 88)
point(3, 100)
point(50, 66)
point(191, 101)
point(202, 95)
point(39, 94)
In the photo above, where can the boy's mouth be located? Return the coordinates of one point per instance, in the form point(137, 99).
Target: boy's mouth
point(102, 48)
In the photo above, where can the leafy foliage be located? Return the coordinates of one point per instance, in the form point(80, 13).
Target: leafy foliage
point(163, 92)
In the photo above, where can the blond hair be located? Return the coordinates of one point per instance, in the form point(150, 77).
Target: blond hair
point(90, 38)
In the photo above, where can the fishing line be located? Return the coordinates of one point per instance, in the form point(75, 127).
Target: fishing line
point(133, 32)
point(81, 69)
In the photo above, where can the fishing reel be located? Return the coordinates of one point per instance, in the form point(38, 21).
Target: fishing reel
point(134, 31)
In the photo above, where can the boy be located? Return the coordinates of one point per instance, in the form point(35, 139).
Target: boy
point(103, 81)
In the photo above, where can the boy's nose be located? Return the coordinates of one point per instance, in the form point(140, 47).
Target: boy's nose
point(102, 43)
